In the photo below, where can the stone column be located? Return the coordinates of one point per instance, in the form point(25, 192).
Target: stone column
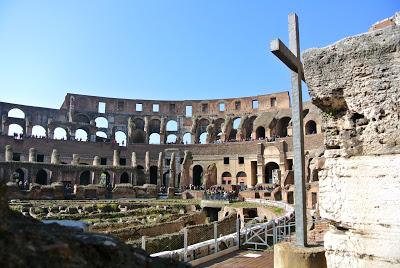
point(160, 169)
point(28, 127)
point(116, 157)
point(260, 163)
point(147, 167)
point(172, 171)
point(96, 161)
point(162, 130)
point(55, 157)
point(71, 109)
point(146, 128)
point(75, 159)
point(8, 153)
point(134, 165)
point(4, 125)
point(185, 169)
point(32, 155)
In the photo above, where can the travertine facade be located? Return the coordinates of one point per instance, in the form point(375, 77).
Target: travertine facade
point(356, 83)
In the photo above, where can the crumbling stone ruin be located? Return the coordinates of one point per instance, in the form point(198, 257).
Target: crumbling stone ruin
point(26, 242)
point(247, 143)
point(356, 84)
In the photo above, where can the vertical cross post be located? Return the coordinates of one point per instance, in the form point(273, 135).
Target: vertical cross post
point(291, 57)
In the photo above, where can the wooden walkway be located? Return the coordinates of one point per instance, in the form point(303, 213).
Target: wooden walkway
point(242, 259)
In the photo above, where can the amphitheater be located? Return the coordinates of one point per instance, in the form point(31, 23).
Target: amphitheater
point(244, 141)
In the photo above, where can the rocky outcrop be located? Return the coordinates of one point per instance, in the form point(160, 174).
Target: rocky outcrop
point(356, 83)
point(25, 242)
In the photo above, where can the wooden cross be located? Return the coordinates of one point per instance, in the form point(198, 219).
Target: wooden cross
point(291, 58)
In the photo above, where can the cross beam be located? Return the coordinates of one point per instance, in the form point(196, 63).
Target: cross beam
point(291, 58)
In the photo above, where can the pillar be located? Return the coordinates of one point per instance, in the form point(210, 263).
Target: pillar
point(32, 155)
point(55, 157)
point(146, 128)
point(260, 163)
point(134, 165)
point(96, 161)
point(147, 167)
point(160, 169)
point(8, 153)
point(116, 157)
point(75, 159)
point(28, 127)
point(172, 171)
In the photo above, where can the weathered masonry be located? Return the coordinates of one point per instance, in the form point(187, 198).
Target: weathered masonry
point(246, 141)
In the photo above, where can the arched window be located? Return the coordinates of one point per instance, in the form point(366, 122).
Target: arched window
point(203, 138)
point(311, 127)
point(81, 135)
point(15, 129)
point(172, 125)
point(187, 138)
point(236, 123)
point(38, 131)
point(101, 122)
point(82, 118)
point(154, 138)
point(282, 126)
point(101, 134)
point(16, 113)
point(60, 134)
point(120, 138)
point(171, 138)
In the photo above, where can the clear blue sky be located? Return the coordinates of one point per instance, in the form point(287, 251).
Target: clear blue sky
point(161, 49)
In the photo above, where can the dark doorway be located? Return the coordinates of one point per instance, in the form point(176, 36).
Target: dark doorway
point(124, 178)
point(140, 176)
point(41, 177)
point(84, 179)
point(153, 174)
point(260, 133)
point(269, 167)
point(197, 175)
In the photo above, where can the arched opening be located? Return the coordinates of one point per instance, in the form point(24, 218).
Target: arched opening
point(226, 178)
point(282, 126)
point(124, 178)
point(101, 136)
point(187, 138)
point(81, 118)
point(203, 138)
point(154, 138)
point(60, 134)
point(269, 169)
point(81, 135)
point(139, 123)
point(105, 180)
point(218, 128)
point(16, 113)
point(154, 126)
point(41, 177)
point(140, 176)
point(260, 133)
point(311, 127)
point(197, 175)
point(172, 125)
point(171, 138)
point(241, 177)
point(153, 174)
point(236, 123)
point(38, 131)
point(120, 138)
point(18, 176)
point(15, 130)
point(84, 178)
point(249, 125)
point(101, 122)
point(202, 127)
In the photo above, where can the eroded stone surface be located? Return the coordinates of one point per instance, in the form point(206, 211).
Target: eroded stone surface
point(356, 83)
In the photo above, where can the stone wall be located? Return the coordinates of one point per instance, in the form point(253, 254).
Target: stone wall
point(356, 83)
